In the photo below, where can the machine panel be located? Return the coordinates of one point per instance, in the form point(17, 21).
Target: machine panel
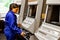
point(47, 33)
point(28, 24)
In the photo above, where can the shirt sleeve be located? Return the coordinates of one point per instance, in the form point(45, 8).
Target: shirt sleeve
point(13, 26)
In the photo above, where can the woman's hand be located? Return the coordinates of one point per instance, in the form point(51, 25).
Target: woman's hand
point(19, 25)
point(23, 34)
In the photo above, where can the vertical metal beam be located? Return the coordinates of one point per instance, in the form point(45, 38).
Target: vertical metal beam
point(38, 14)
point(46, 13)
point(49, 14)
point(28, 11)
point(0, 16)
point(24, 7)
point(59, 15)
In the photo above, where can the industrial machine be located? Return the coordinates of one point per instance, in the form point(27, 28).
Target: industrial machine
point(32, 17)
point(50, 28)
point(29, 22)
point(32, 21)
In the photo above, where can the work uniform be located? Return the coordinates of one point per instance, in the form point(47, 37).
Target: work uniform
point(11, 28)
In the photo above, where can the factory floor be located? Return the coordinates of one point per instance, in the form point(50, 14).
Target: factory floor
point(2, 37)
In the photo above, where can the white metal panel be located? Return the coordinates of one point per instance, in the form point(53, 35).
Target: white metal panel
point(28, 24)
point(55, 2)
point(47, 33)
point(17, 1)
point(32, 3)
point(29, 3)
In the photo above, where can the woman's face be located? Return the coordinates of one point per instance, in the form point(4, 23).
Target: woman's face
point(15, 10)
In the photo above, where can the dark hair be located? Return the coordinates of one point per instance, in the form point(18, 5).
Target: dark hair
point(13, 5)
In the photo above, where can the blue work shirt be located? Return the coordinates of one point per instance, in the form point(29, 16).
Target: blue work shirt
point(11, 24)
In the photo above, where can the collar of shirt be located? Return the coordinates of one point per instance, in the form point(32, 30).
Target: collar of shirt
point(12, 12)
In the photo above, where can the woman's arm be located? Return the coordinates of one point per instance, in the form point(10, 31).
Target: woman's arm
point(13, 26)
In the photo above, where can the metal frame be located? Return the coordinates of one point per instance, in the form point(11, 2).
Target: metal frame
point(37, 18)
point(24, 5)
point(51, 30)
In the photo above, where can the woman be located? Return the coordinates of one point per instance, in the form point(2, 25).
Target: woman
point(11, 28)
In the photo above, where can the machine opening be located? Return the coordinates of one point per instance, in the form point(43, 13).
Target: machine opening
point(32, 11)
point(53, 15)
